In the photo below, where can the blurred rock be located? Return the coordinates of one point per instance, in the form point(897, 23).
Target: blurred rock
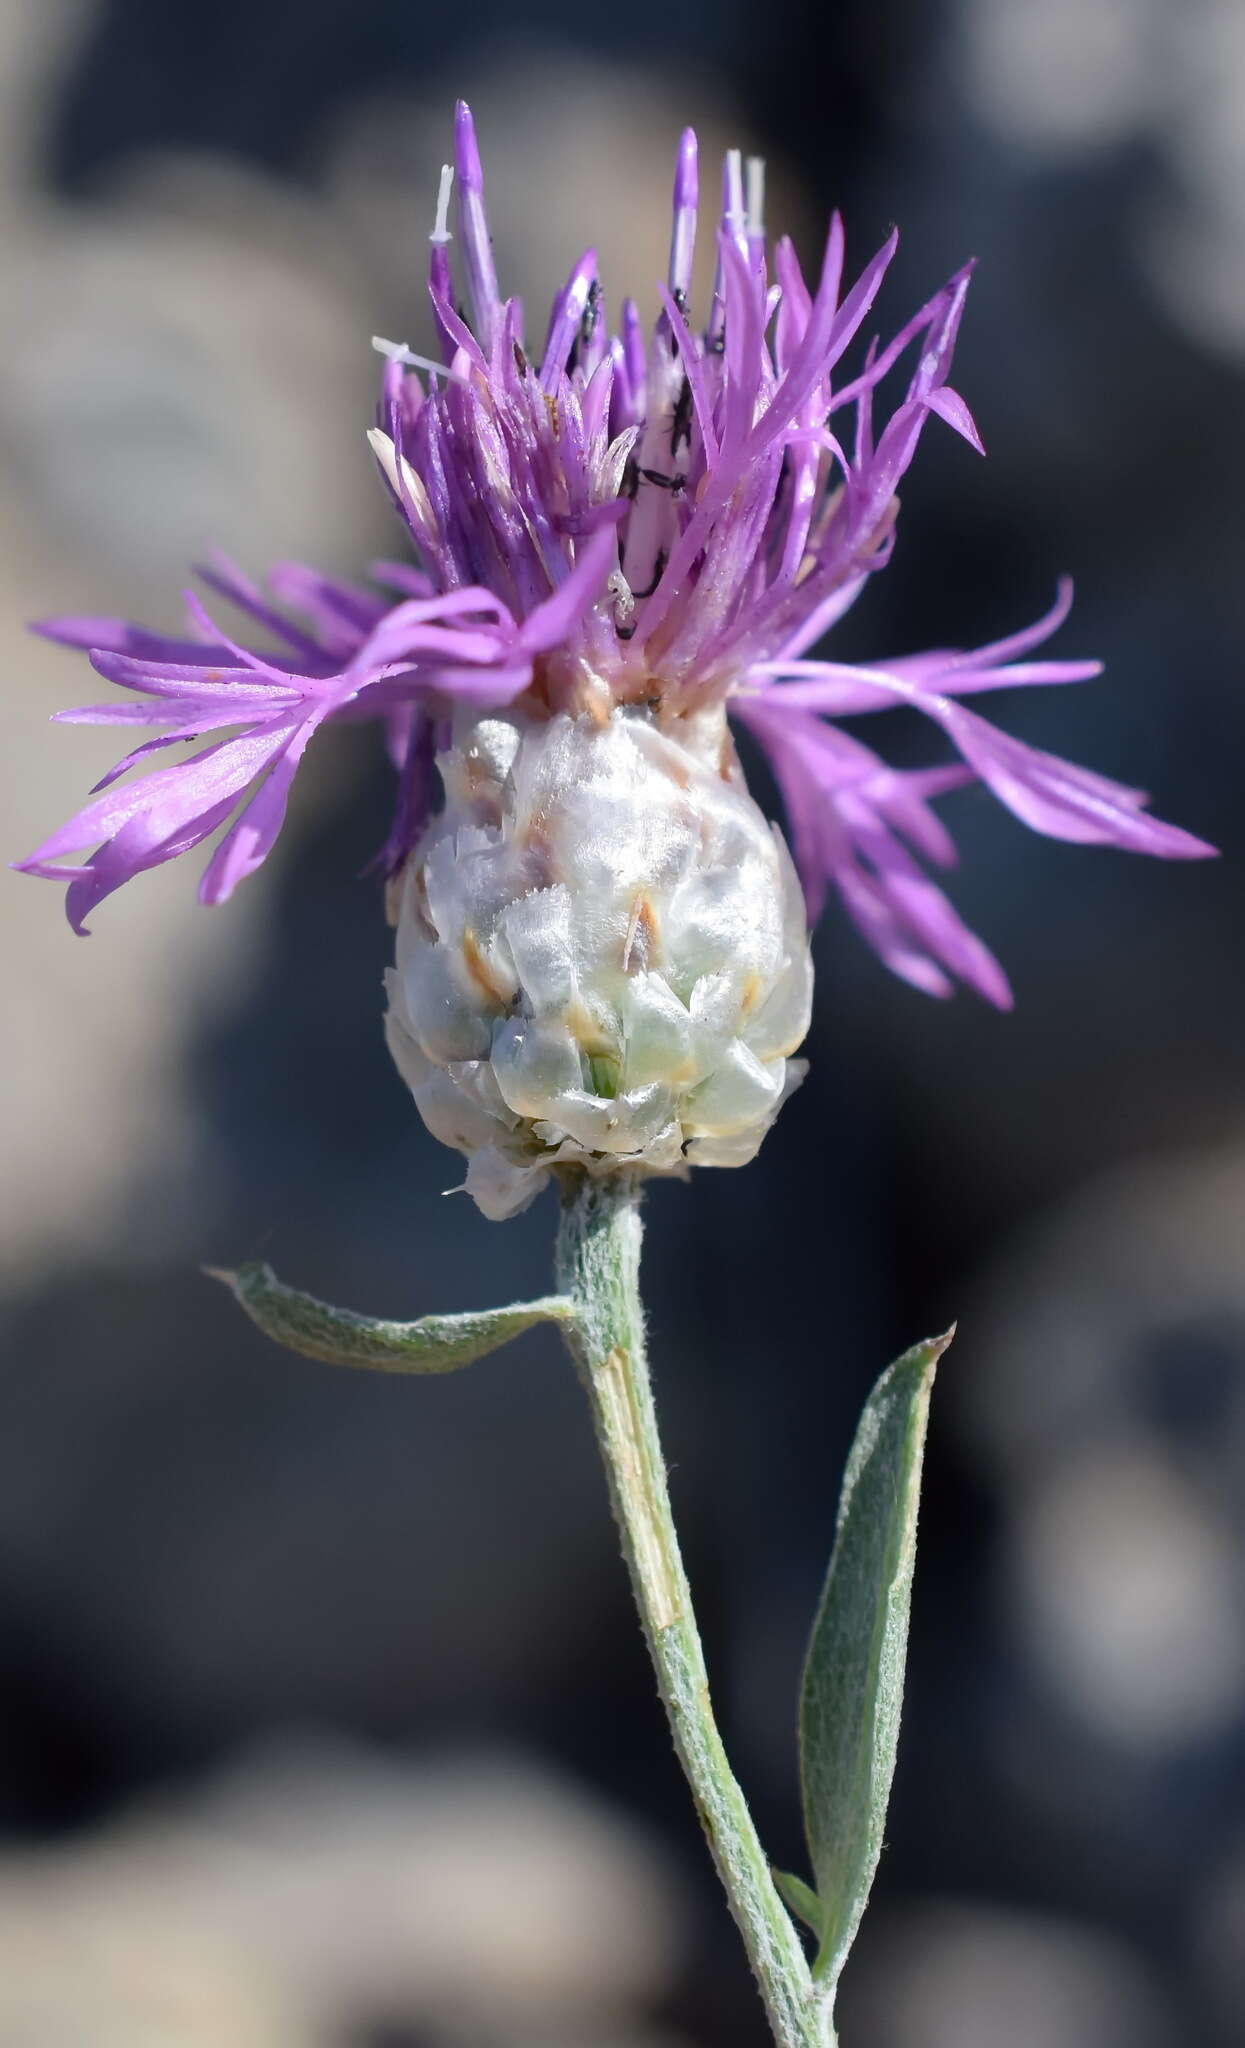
point(1101, 1397)
point(185, 365)
point(1128, 1589)
point(1076, 78)
point(967, 1976)
point(39, 40)
point(1069, 76)
point(1217, 1926)
point(317, 1891)
point(1123, 1304)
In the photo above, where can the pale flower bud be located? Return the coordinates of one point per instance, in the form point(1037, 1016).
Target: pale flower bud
point(602, 954)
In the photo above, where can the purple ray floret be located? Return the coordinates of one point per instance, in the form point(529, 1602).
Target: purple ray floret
point(601, 520)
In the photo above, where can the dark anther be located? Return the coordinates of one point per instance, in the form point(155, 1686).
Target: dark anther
point(680, 298)
point(592, 313)
point(681, 424)
point(587, 326)
point(675, 484)
point(630, 478)
point(520, 360)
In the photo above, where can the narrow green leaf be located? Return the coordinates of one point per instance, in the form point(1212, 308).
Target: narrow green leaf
point(339, 1336)
point(801, 1898)
point(853, 1677)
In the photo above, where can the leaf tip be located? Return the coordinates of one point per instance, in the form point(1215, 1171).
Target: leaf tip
point(923, 1356)
point(242, 1281)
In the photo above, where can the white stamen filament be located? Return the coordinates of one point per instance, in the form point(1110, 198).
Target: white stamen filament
point(398, 352)
point(734, 217)
point(441, 225)
point(682, 250)
point(756, 195)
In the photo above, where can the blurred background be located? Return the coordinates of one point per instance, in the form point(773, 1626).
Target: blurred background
point(324, 1721)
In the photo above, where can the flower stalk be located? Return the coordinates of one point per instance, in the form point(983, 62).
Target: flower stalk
point(598, 1268)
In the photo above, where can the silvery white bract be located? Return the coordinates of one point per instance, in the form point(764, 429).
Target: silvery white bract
point(602, 953)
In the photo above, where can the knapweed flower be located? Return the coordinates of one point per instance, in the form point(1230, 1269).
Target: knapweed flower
point(619, 540)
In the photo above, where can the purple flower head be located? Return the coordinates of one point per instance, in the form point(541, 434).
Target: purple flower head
point(606, 519)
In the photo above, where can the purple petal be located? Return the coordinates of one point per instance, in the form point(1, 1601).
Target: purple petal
point(401, 576)
point(342, 613)
point(566, 319)
point(247, 655)
point(249, 840)
point(920, 905)
point(130, 854)
point(693, 370)
point(997, 651)
point(553, 620)
point(851, 690)
point(880, 362)
point(429, 626)
point(951, 407)
point(128, 714)
point(683, 225)
point(483, 687)
point(1061, 800)
point(119, 636)
point(166, 799)
point(225, 577)
point(473, 226)
point(417, 792)
point(843, 802)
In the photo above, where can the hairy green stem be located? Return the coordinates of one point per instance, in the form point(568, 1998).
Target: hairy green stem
point(598, 1266)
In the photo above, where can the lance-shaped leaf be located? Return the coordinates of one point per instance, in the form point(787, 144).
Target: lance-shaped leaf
point(853, 1677)
point(340, 1337)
